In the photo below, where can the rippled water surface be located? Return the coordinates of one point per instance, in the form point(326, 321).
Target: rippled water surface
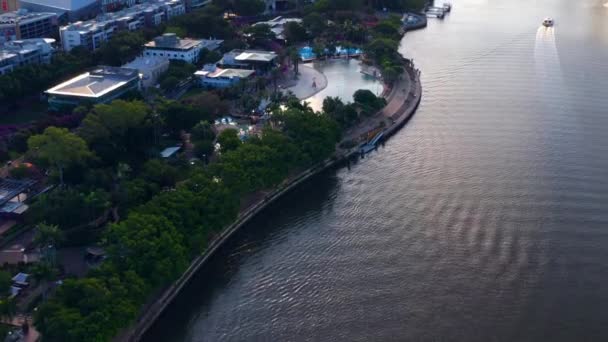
point(484, 219)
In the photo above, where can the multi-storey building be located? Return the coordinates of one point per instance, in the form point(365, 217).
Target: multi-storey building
point(22, 24)
point(70, 10)
point(23, 52)
point(170, 46)
point(92, 33)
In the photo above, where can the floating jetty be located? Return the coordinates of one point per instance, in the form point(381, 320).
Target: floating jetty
point(371, 145)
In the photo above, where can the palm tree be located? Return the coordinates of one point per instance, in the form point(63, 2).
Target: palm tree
point(275, 75)
point(294, 56)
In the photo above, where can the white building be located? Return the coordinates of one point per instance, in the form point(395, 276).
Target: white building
point(213, 77)
point(92, 33)
point(23, 52)
point(170, 46)
point(101, 85)
point(150, 69)
point(258, 60)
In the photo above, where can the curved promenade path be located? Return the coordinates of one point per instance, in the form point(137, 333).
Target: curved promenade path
point(303, 87)
point(402, 102)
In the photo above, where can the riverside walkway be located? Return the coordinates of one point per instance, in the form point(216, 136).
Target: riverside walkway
point(402, 101)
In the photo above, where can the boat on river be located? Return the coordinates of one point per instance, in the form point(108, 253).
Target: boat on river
point(548, 22)
point(447, 6)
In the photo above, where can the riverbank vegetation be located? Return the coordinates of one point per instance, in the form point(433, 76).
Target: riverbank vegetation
point(161, 230)
point(107, 185)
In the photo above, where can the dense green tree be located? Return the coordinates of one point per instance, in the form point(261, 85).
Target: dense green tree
point(68, 207)
point(208, 102)
point(178, 116)
point(58, 148)
point(5, 282)
point(315, 23)
point(159, 172)
point(258, 35)
point(229, 140)
point(203, 131)
point(118, 131)
point(294, 33)
point(122, 48)
point(149, 245)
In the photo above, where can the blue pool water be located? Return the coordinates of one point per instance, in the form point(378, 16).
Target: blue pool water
point(306, 53)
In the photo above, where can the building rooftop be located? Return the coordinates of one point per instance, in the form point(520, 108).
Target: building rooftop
point(171, 41)
point(146, 62)
point(6, 55)
point(22, 15)
point(66, 5)
point(254, 55)
point(230, 73)
point(277, 25)
point(96, 83)
point(106, 18)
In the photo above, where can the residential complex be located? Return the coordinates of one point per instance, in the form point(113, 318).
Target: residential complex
point(23, 52)
point(150, 69)
point(92, 33)
point(101, 85)
point(23, 24)
point(171, 46)
point(213, 77)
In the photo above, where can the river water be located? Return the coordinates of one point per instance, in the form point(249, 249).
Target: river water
point(484, 219)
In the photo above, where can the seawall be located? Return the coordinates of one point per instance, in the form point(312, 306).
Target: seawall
point(401, 116)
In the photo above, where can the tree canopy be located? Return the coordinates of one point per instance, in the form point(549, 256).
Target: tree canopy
point(58, 148)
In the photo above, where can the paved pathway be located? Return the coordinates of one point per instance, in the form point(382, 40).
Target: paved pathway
point(304, 89)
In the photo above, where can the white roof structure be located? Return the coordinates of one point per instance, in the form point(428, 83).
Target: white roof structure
point(96, 83)
point(169, 151)
point(256, 56)
point(226, 73)
point(277, 25)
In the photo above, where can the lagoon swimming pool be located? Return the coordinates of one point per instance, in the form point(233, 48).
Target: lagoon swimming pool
point(307, 54)
point(344, 78)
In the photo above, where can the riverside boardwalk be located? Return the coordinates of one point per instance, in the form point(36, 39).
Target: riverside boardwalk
point(402, 101)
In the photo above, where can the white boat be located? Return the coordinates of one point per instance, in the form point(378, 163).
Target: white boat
point(447, 6)
point(548, 22)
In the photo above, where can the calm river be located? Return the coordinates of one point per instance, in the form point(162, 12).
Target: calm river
point(484, 219)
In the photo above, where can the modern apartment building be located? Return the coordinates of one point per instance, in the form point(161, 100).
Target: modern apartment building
point(23, 24)
point(92, 33)
point(23, 52)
